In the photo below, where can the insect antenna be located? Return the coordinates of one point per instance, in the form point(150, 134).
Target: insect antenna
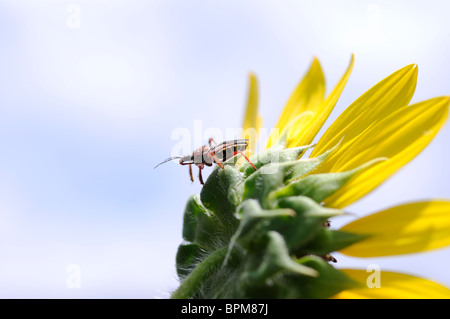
point(167, 160)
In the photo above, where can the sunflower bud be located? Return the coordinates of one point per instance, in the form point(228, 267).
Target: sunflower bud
point(263, 234)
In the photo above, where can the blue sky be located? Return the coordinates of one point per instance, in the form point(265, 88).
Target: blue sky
point(87, 111)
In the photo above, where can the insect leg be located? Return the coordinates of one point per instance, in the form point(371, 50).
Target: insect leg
point(190, 170)
point(190, 173)
point(242, 153)
point(217, 160)
point(200, 174)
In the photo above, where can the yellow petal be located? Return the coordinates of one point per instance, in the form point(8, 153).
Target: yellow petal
point(252, 120)
point(296, 126)
point(393, 286)
point(304, 135)
point(403, 229)
point(385, 97)
point(399, 137)
point(307, 96)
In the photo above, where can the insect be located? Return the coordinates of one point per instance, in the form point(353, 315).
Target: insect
point(209, 154)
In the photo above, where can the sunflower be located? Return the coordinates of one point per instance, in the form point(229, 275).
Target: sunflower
point(379, 124)
point(265, 233)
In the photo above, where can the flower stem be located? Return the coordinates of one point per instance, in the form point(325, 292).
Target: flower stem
point(208, 267)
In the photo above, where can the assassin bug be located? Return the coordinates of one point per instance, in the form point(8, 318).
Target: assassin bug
point(209, 154)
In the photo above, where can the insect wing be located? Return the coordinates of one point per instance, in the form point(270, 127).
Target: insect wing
point(228, 149)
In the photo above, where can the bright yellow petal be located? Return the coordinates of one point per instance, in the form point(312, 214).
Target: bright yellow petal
point(252, 120)
point(296, 126)
point(393, 286)
point(403, 229)
point(399, 137)
point(381, 100)
point(307, 96)
point(304, 134)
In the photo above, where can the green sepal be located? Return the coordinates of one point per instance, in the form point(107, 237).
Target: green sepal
point(188, 256)
point(263, 270)
point(307, 166)
point(297, 219)
point(329, 282)
point(308, 221)
point(221, 194)
point(307, 207)
point(265, 179)
point(275, 154)
point(255, 222)
point(202, 227)
point(274, 176)
point(319, 186)
point(285, 284)
point(273, 258)
point(326, 241)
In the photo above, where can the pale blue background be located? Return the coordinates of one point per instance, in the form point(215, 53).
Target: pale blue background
point(85, 114)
